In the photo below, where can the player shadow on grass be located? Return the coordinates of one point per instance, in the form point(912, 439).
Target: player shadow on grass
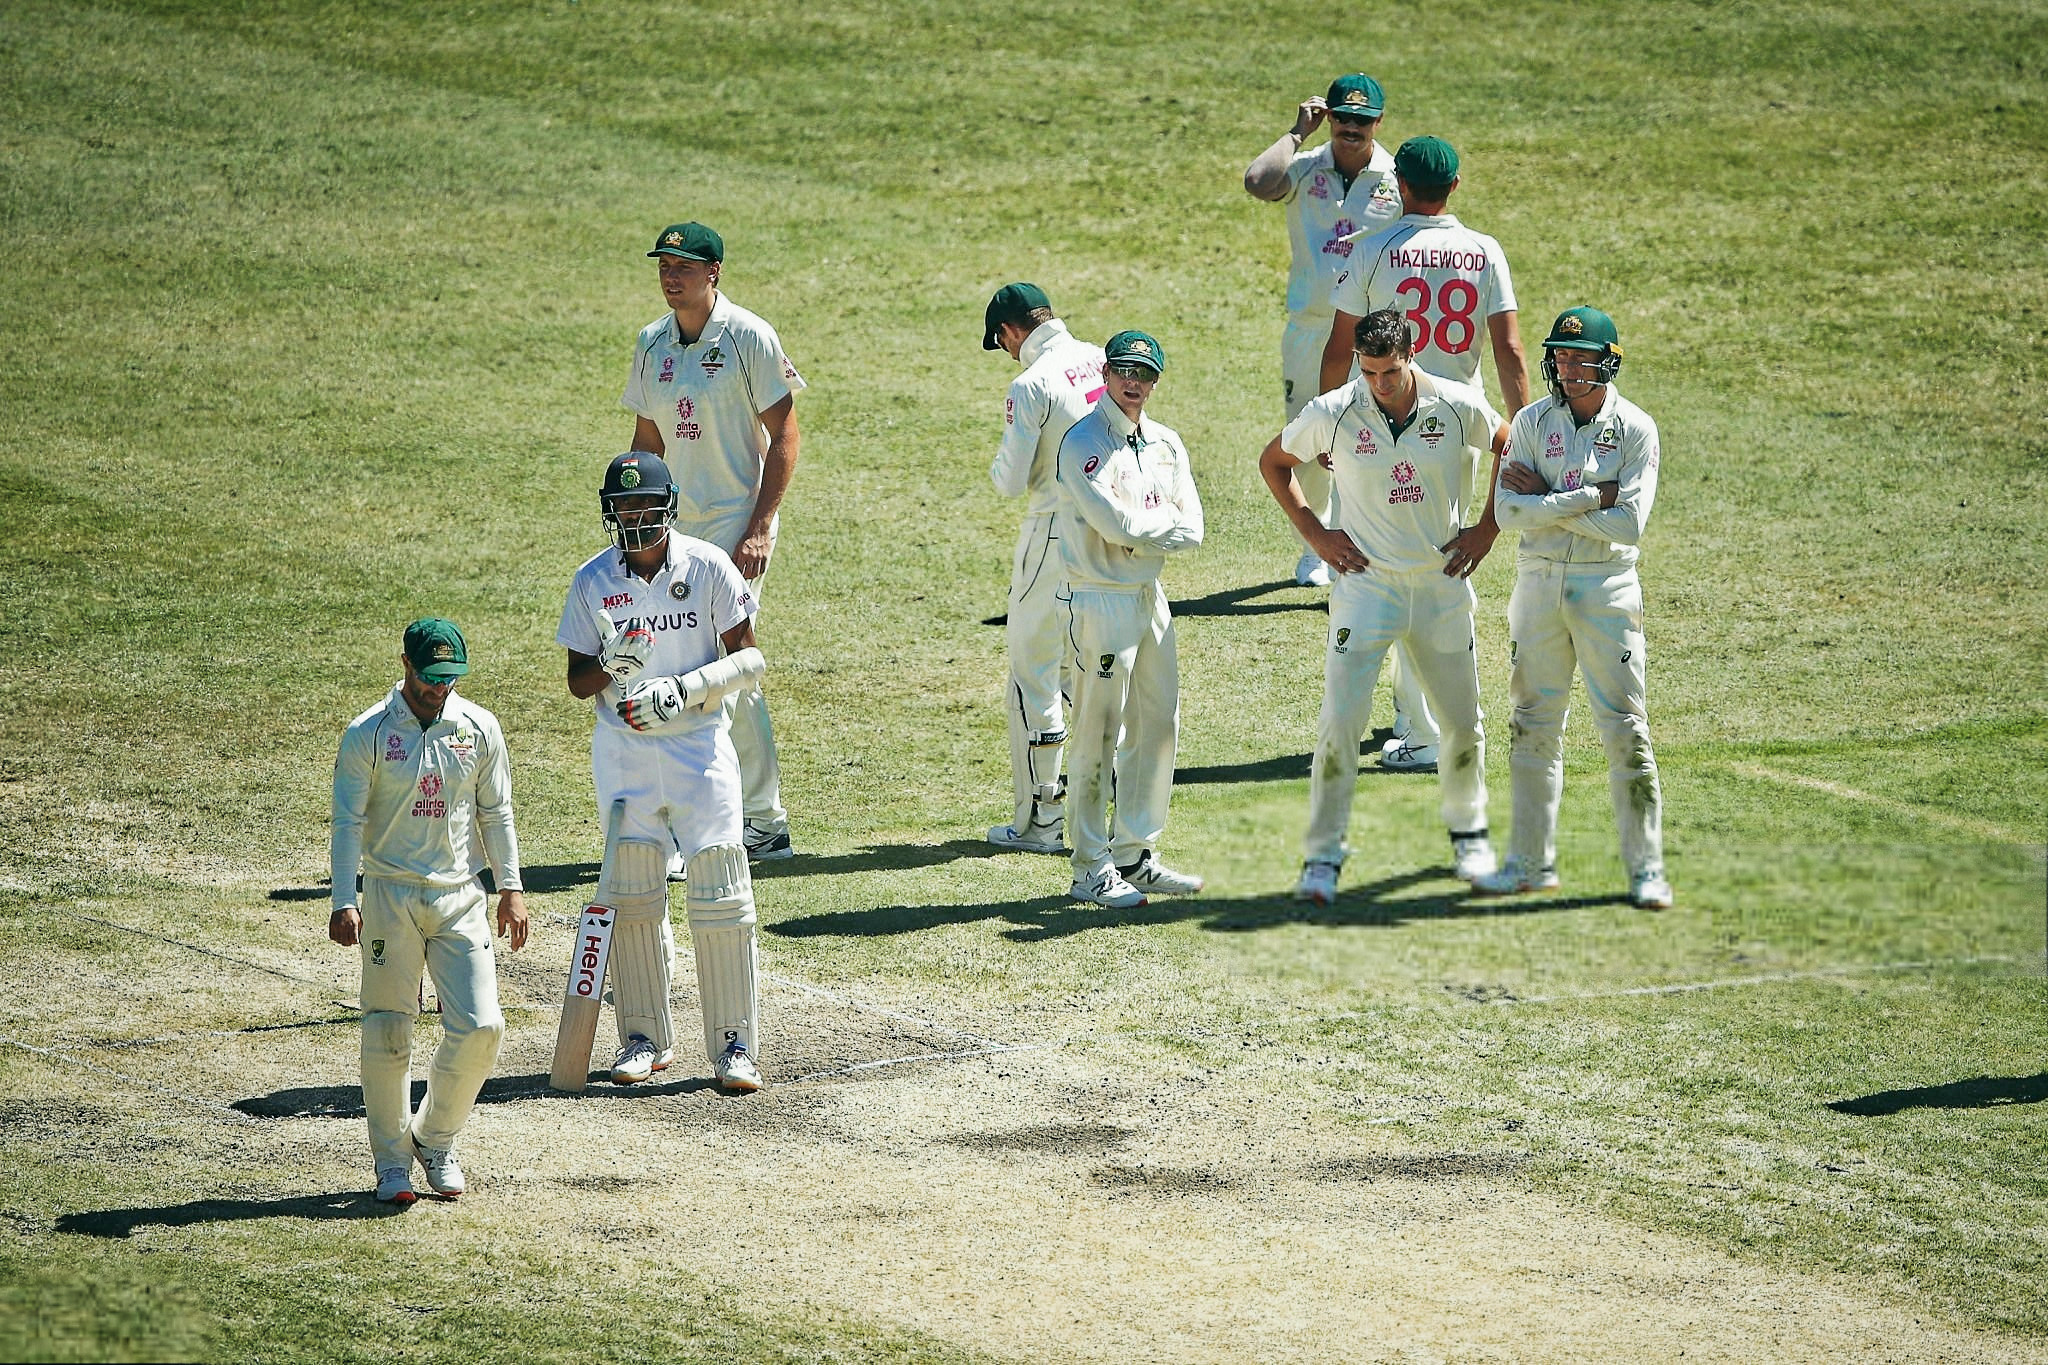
point(117, 1223)
point(1979, 1092)
point(1388, 903)
point(346, 1101)
point(1288, 767)
point(880, 858)
point(1229, 602)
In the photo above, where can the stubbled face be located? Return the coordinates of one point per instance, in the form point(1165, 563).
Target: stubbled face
point(686, 283)
point(1390, 377)
point(424, 698)
point(1351, 137)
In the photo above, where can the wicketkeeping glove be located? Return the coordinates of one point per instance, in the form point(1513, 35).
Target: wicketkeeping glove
point(625, 650)
point(655, 705)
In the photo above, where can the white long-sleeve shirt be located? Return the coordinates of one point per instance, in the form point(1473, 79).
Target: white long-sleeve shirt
point(1568, 525)
point(1062, 378)
point(1127, 499)
point(405, 798)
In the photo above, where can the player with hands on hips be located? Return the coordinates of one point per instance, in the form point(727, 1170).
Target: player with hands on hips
point(1578, 485)
point(1403, 446)
point(713, 394)
point(1062, 380)
point(1127, 500)
point(415, 775)
point(659, 633)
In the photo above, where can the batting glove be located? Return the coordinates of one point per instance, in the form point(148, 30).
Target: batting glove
point(655, 705)
point(626, 649)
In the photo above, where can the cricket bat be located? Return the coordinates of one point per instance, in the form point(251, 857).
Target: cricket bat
point(577, 1032)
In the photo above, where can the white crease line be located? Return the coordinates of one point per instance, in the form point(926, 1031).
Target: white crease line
point(1983, 829)
point(1853, 969)
point(192, 947)
point(233, 1115)
point(920, 1057)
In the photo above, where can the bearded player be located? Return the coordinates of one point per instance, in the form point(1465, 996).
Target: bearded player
point(659, 630)
point(1578, 485)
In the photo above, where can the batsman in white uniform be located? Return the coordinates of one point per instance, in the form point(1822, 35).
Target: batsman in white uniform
point(1578, 483)
point(1127, 500)
point(416, 774)
point(1062, 380)
point(659, 631)
point(714, 395)
point(1404, 447)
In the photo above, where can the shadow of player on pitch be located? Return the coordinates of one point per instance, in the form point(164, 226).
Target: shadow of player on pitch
point(1979, 1092)
point(118, 1223)
point(879, 858)
point(346, 1101)
point(1228, 602)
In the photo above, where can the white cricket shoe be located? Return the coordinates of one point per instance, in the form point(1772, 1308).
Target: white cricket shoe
point(1155, 878)
point(1404, 757)
point(444, 1172)
point(1045, 836)
point(638, 1060)
point(1107, 888)
point(735, 1069)
point(394, 1186)
point(1647, 890)
point(1318, 884)
point(1514, 877)
point(767, 843)
point(1310, 571)
point(1472, 856)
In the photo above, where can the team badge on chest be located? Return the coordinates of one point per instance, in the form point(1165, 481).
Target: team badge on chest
point(713, 361)
point(1431, 430)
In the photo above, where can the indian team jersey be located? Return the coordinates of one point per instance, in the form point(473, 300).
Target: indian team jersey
point(1400, 495)
point(1062, 378)
point(694, 598)
point(1321, 213)
point(1568, 524)
point(1447, 278)
point(706, 396)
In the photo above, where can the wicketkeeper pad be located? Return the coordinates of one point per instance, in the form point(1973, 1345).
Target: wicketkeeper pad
point(720, 897)
point(643, 963)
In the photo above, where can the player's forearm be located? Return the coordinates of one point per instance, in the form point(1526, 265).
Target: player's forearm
point(1266, 177)
point(1528, 511)
point(778, 467)
point(586, 676)
point(1011, 470)
point(1510, 366)
point(1336, 366)
point(647, 436)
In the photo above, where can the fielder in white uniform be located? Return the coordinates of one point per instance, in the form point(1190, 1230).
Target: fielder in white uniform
point(714, 395)
point(1062, 380)
point(1404, 448)
point(416, 774)
point(1127, 500)
point(659, 631)
point(1579, 482)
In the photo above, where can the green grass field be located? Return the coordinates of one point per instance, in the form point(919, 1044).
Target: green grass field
point(316, 315)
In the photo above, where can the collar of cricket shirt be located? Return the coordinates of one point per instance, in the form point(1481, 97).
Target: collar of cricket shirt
point(1120, 426)
point(1042, 336)
point(720, 315)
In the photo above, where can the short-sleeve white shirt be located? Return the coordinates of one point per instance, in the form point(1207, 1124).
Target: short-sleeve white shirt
point(1321, 213)
point(694, 598)
point(707, 397)
point(1399, 497)
point(1447, 278)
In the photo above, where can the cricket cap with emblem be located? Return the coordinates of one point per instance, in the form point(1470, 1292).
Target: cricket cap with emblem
point(1427, 163)
point(1012, 303)
point(693, 241)
point(1583, 329)
point(1135, 348)
point(1356, 95)
point(436, 650)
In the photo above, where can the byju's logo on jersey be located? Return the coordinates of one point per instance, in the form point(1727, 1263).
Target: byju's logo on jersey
point(668, 370)
point(1405, 488)
point(1431, 431)
point(686, 428)
point(713, 361)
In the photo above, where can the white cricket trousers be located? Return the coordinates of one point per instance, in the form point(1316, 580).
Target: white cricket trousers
point(448, 932)
point(682, 791)
point(746, 711)
point(1037, 641)
point(1590, 616)
point(1430, 613)
point(1126, 680)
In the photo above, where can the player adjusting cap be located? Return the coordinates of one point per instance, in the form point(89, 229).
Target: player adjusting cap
point(1135, 348)
point(435, 648)
point(692, 241)
point(636, 471)
point(1583, 329)
point(1357, 95)
point(1012, 303)
point(1427, 163)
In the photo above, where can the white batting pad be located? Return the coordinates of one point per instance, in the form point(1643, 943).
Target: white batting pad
point(635, 885)
point(720, 898)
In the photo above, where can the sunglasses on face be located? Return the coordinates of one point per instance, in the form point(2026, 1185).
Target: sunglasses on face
point(1126, 371)
point(1350, 120)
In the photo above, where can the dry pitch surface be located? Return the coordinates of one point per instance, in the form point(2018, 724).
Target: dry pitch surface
point(999, 1186)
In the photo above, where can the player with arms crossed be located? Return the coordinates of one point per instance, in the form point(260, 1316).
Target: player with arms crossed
point(714, 395)
point(1127, 500)
point(1403, 445)
point(659, 630)
point(1062, 379)
point(416, 773)
point(1578, 484)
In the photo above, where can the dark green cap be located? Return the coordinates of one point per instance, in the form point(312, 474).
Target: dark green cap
point(1358, 95)
point(1583, 329)
point(692, 241)
point(1427, 163)
point(1012, 303)
point(1135, 348)
point(436, 649)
